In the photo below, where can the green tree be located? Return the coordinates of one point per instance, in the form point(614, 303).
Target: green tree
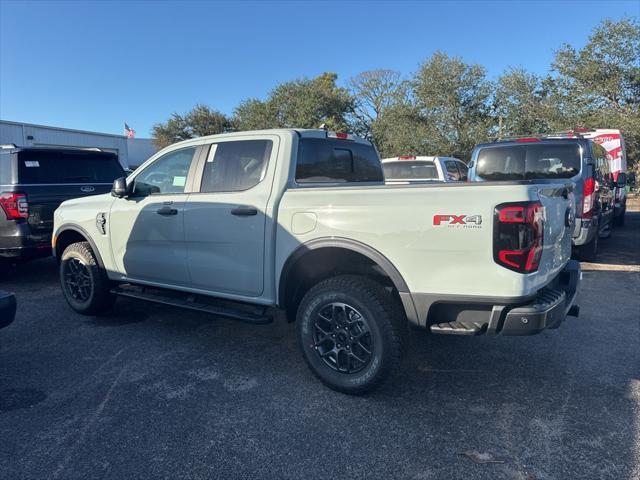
point(303, 103)
point(599, 85)
point(454, 100)
point(401, 130)
point(254, 114)
point(374, 91)
point(525, 104)
point(198, 122)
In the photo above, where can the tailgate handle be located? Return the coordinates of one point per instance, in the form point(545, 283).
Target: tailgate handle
point(167, 211)
point(244, 211)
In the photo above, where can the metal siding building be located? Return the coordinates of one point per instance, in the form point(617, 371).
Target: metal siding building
point(131, 152)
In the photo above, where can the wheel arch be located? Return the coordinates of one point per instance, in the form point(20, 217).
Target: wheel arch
point(65, 235)
point(325, 254)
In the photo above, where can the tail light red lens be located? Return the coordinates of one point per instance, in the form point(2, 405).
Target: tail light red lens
point(588, 193)
point(519, 236)
point(15, 205)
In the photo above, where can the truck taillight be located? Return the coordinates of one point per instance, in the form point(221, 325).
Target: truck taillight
point(518, 236)
point(588, 191)
point(15, 205)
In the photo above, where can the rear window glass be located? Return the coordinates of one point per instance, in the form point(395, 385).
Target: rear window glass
point(524, 162)
point(404, 170)
point(68, 167)
point(330, 161)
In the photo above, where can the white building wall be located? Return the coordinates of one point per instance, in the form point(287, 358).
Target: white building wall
point(140, 149)
point(131, 152)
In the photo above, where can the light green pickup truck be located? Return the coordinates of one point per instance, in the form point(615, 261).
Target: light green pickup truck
point(242, 224)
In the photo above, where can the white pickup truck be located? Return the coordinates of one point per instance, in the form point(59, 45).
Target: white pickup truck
point(418, 169)
point(245, 223)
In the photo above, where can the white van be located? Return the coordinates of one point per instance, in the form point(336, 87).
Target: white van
point(611, 140)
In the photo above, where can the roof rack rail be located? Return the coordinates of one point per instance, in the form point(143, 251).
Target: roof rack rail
point(576, 133)
point(8, 145)
point(63, 147)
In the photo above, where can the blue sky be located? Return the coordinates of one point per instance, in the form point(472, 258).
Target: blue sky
point(95, 65)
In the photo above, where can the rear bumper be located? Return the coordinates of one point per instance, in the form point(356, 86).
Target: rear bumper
point(547, 308)
point(584, 232)
point(19, 242)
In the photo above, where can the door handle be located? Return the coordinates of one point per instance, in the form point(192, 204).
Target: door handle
point(167, 211)
point(244, 211)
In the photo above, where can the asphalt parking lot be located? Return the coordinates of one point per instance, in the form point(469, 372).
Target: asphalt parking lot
point(156, 392)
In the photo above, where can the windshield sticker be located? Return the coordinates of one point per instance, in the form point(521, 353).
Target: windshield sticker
point(179, 181)
point(31, 163)
point(212, 153)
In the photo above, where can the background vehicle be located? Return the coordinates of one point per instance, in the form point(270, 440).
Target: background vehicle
point(613, 143)
point(7, 308)
point(567, 158)
point(301, 220)
point(33, 182)
point(407, 169)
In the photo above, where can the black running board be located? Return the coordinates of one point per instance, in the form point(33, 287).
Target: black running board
point(256, 315)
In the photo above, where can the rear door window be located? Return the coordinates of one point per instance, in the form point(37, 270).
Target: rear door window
point(452, 170)
point(44, 167)
point(530, 161)
point(410, 170)
point(600, 161)
point(464, 171)
point(235, 166)
point(336, 161)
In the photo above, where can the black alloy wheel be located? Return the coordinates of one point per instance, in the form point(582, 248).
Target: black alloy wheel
point(342, 338)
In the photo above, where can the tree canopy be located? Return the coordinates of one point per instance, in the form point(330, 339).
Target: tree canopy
point(448, 105)
point(199, 121)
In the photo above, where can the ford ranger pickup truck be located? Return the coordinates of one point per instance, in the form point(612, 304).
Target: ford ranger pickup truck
point(243, 224)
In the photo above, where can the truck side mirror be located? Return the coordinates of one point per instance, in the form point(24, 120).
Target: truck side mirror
point(120, 188)
point(621, 182)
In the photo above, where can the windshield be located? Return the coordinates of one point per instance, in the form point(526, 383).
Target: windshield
point(404, 170)
point(529, 161)
point(39, 166)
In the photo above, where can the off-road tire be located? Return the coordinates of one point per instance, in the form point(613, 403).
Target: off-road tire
point(387, 329)
point(99, 299)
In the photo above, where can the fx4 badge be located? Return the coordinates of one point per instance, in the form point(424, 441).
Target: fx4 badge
point(463, 221)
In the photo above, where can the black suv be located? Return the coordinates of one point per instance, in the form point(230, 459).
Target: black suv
point(34, 182)
point(557, 156)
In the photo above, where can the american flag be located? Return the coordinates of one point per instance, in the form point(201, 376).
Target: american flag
point(129, 132)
